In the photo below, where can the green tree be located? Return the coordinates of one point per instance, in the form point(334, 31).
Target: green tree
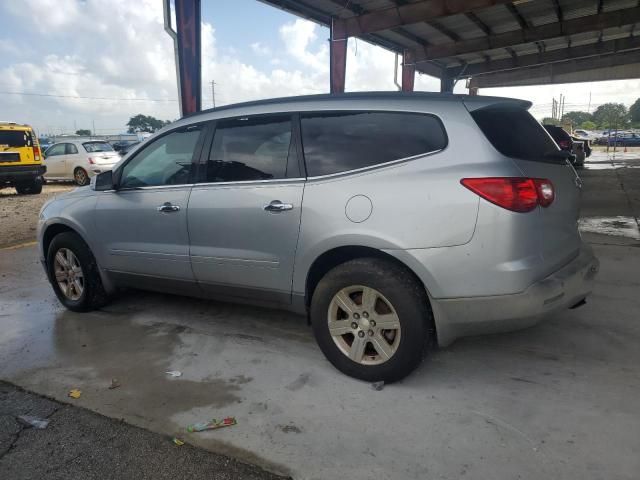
point(611, 115)
point(577, 118)
point(588, 125)
point(550, 121)
point(634, 111)
point(83, 132)
point(145, 123)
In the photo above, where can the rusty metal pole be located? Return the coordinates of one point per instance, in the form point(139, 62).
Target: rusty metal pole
point(408, 71)
point(338, 57)
point(187, 46)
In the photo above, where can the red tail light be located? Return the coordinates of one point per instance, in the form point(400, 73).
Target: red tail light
point(36, 153)
point(513, 193)
point(564, 144)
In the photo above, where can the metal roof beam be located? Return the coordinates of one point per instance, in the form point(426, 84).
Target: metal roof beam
point(543, 58)
point(532, 34)
point(516, 14)
point(605, 67)
point(410, 13)
point(478, 23)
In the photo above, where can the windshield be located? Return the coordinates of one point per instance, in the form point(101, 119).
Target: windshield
point(97, 147)
point(15, 138)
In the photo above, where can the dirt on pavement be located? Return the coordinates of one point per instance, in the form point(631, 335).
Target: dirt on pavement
point(19, 213)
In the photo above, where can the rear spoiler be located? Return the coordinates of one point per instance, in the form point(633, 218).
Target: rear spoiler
point(478, 102)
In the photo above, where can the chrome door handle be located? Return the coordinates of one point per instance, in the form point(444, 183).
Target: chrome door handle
point(167, 207)
point(278, 206)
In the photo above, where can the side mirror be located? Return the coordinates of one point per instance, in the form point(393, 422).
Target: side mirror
point(104, 181)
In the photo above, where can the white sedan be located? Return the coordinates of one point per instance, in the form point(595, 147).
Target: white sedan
point(79, 160)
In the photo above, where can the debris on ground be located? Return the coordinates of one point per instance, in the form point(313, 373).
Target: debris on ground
point(75, 393)
point(174, 373)
point(212, 425)
point(177, 441)
point(35, 422)
point(114, 384)
point(377, 386)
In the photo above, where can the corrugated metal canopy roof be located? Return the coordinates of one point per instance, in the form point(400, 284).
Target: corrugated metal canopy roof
point(474, 36)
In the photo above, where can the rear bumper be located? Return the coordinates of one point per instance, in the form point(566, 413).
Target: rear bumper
point(459, 317)
point(17, 173)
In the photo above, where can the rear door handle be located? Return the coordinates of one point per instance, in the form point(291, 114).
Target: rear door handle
point(278, 206)
point(167, 207)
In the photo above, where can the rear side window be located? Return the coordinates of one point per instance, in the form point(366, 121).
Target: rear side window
point(251, 148)
point(71, 149)
point(15, 138)
point(97, 147)
point(514, 132)
point(336, 142)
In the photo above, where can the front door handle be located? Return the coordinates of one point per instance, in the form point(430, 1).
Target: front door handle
point(167, 207)
point(278, 206)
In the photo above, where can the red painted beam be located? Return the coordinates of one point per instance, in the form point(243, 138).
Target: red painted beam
point(337, 58)
point(408, 71)
point(188, 48)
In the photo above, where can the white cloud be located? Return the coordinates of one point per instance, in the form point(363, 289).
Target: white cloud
point(260, 48)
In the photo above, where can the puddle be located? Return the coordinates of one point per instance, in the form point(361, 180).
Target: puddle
point(617, 226)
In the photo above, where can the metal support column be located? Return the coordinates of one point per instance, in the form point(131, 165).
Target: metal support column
point(187, 45)
point(446, 83)
point(338, 57)
point(408, 71)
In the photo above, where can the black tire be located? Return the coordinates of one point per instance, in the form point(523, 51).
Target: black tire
point(81, 177)
point(407, 297)
point(30, 188)
point(93, 295)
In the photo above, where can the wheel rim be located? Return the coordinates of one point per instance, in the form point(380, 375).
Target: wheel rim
point(68, 273)
point(81, 176)
point(364, 325)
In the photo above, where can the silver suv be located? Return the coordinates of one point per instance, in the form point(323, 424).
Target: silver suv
point(394, 221)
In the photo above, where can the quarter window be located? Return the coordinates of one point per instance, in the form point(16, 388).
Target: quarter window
point(336, 142)
point(166, 161)
point(253, 148)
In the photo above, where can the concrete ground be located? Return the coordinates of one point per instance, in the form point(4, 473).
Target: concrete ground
point(557, 401)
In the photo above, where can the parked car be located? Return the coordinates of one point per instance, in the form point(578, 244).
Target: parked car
point(122, 146)
point(623, 140)
point(576, 147)
point(394, 221)
point(128, 148)
point(79, 160)
point(20, 158)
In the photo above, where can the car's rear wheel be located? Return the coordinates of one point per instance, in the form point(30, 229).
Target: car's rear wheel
point(371, 319)
point(81, 176)
point(73, 273)
point(32, 187)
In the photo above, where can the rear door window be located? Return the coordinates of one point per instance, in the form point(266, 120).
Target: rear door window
point(514, 132)
point(335, 142)
point(71, 149)
point(252, 148)
point(15, 139)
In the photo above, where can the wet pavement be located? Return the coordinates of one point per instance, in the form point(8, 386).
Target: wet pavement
point(559, 400)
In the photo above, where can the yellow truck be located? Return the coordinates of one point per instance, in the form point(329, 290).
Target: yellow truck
point(20, 159)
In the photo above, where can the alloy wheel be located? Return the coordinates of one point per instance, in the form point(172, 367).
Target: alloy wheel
point(364, 325)
point(68, 273)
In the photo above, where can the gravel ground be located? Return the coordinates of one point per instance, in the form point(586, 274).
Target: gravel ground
point(19, 213)
point(79, 444)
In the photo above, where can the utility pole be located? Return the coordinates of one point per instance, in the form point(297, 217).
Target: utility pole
point(589, 107)
point(213, 92)
point(93, 122)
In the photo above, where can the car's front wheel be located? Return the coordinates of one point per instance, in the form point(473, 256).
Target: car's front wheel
point(371, 319)
point(73, 273)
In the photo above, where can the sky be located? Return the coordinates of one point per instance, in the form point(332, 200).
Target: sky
point(71, 64)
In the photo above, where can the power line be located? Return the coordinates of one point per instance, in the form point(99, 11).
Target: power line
point(130, 99)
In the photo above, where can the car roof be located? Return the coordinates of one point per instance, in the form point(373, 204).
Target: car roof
point(471, 101)
point(14, 126)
